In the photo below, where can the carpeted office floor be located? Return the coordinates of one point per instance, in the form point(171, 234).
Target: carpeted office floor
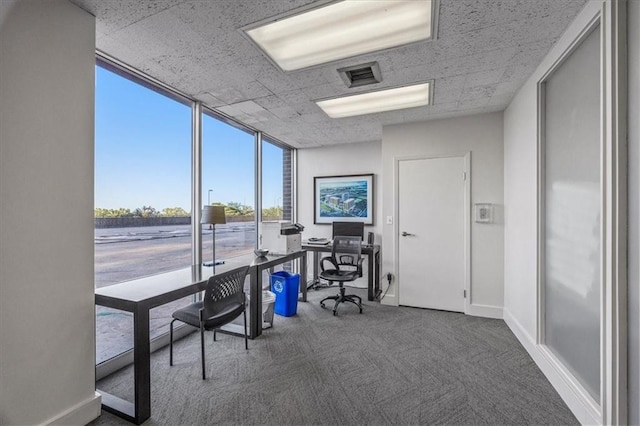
point(388, 366)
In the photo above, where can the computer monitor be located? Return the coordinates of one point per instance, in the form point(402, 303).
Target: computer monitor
point(348, 229)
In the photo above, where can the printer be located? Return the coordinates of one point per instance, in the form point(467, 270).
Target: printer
point(281, 236)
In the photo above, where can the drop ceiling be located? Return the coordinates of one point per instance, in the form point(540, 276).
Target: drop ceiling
point(483, 53)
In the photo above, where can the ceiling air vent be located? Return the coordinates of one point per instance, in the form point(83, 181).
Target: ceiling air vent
point(361, 75)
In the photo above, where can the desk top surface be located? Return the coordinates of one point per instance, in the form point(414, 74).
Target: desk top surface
point(366, 248)
point(190, 279)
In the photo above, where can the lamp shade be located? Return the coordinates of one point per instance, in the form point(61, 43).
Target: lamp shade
point(213, 215)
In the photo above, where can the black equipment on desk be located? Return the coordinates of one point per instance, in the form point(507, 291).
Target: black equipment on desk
point(296, 228)
point(348, 229)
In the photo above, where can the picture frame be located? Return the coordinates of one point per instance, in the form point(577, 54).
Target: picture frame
point(345, 198)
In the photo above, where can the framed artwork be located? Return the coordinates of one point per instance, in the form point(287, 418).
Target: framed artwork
point(343, 198)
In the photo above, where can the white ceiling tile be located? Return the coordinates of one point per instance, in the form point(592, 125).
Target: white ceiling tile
point(315, 118)
point(235, 93)
point(445, 106)
point(473, 103)
point(230, 110)
point(263, 116)
point(285, 112)
point(478, 92)
point(483, 78)
point(484, 51)
point(507, 88)
point(209, 100)
point(294, 97)
point(501, 100)
point(115, 15)
point(248, 107)
point(270, 102)
point(325, 91)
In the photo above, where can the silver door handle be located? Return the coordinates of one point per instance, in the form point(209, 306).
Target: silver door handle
point(406, 234)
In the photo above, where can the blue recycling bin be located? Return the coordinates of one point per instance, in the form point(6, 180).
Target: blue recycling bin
point(285, 286)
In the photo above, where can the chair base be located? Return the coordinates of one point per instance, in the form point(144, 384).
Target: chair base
point(341, 298)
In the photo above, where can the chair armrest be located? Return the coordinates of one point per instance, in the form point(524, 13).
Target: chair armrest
point(360, 265)
point(329, 259)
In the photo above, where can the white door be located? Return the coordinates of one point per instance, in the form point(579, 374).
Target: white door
point(431, 240)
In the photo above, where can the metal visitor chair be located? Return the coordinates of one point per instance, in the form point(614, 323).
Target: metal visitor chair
point(344, 264)
point(224, 301)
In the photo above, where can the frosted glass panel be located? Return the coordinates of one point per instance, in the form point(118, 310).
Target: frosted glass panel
point(572, 213)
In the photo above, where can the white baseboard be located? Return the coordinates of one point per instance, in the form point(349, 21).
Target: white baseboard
point(80, 414)
point(389, 300)
point(484, 311)
point(576, 399)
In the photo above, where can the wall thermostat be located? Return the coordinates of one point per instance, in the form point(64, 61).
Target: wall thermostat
point(484, 213)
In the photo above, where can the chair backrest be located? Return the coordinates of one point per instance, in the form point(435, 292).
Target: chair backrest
point(223, 290)
point(347, 250)
point(349, 229)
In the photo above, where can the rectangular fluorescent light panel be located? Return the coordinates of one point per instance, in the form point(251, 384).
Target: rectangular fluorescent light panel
point(379, 101)
point(341, 30)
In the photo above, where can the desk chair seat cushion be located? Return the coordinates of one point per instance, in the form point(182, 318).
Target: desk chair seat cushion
point(191, 315)
point(339, 275)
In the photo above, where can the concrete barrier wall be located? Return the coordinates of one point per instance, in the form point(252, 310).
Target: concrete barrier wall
point(129, 222)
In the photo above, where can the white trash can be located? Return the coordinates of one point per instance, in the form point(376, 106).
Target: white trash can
point(268, 301)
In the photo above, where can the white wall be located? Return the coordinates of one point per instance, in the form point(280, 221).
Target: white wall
point(349, 159)
point(520, 248)
point(47, 331)
point(634, 210)
point(482, 136)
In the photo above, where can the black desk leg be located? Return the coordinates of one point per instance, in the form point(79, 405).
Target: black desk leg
point(315, 281)
point(141, 365)
point(303, 275)
point(376, 283)
point(370, 275)
point(140, 410)
point(255, 303)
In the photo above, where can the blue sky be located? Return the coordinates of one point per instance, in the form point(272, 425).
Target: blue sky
point(143, 152)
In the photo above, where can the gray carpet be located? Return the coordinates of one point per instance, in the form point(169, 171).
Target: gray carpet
point(388, 366)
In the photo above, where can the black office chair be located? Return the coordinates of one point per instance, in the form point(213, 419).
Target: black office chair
point(344, 265)
point(224, 301)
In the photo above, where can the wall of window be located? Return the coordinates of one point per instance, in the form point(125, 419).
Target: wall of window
point(146, 144)
point(142, 193)
point(276, 182)
point(228, 178)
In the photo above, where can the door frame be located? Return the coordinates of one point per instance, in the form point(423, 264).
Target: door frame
point(467, 220)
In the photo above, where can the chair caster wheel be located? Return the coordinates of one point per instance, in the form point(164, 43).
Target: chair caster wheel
point(334, 313)
point(322, 305)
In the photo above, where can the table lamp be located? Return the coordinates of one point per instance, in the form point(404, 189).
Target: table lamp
point(213, 215)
